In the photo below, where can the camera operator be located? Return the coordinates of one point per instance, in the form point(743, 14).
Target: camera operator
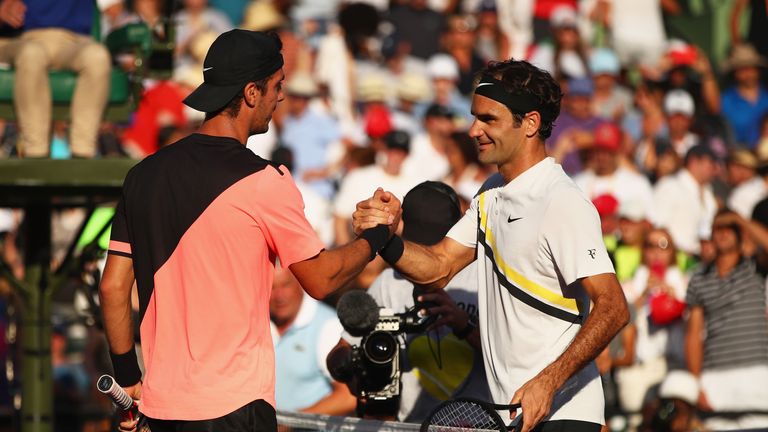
point(444, 360)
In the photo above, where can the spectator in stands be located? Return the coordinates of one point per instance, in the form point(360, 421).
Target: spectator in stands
point(679, 109)
point(605, 175)
point(412, 90)
point(359, 183)
point(727, 299)
point(444, 73)
point(419, 26)
point(685, 67)
point(656, 291)
point(304, 331)
point(56, 36)
point(566, 57)
point(636, 31)
point(612, 101)
point(748, 193)
point(492, 43)
point(745, 103)
point(308, 132)
point(684, 203)
point(196, 17)
point(572, 134)
point(458, 41)
point(633, 228)
point(427, 159)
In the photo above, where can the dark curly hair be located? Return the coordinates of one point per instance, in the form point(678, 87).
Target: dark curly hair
point(519, 76)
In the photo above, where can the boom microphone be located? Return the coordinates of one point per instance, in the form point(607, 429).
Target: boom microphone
point(358, 312)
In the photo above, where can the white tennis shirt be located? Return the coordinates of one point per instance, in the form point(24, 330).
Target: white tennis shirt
point(536, 237)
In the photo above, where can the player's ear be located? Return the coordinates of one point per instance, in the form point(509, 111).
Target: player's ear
point(251, 94)
point(531, 123)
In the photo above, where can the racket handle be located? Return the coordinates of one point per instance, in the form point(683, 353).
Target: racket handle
point(129, 410)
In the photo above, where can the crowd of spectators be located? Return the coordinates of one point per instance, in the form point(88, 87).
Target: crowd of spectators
point(669, 140)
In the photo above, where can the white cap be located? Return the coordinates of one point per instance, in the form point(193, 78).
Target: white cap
point(679, 102)
point(372, 88)
point(106, 4)
point(680, 384)
point(563, 16)
point(633, 210)
point(301, 84)
point(443, 66)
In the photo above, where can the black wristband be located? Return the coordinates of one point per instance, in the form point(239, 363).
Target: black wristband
point(466, 331)
point(392, 252)
point(126, 366)
point(376, 237)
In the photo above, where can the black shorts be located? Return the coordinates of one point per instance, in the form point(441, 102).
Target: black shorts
point(566, 426)
point(257, 416)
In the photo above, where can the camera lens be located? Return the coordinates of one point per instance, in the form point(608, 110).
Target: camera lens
point(380, 347)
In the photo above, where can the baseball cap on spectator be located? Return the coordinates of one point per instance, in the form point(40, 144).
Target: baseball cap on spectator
point(413, 87)
point(607, 137)
point(443, 66)
point(633, 210)
point(377, 121)
point(580, 87)
point(430, 209)
point(301, 84)
point(437, 110)
point(681, 54)
point(606, 205)
point(372, 88)
point(744, 55)
point(398, 140)
point(743, 157)
point(679, 102)
point(235, 58)
point(604, 61)
point(563, 16)
point(680, 384)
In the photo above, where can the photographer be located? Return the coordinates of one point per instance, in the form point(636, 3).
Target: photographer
point(440, 362)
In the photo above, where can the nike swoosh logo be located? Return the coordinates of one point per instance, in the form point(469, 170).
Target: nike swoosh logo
point(483, 84)
point(207, 69)
point(510, 219)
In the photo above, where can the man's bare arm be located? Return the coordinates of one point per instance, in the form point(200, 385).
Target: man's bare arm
point(694, 343)
point(332, 269)
point(115, 296)
point(434, 266)
point(608, 316)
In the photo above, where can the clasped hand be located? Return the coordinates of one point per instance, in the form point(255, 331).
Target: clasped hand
point(383, 208)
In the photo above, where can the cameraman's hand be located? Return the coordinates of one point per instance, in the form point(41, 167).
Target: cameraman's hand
point(383, 208)
point(447, 310)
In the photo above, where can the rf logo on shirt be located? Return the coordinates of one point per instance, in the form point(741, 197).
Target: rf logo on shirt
point(591, 253)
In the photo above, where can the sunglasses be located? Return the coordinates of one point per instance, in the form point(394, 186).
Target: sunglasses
point(661, 243)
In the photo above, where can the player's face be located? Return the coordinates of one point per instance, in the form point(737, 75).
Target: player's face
point(498, 140)
point(267, 103)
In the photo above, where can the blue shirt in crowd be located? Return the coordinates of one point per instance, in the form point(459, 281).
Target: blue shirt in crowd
point(744, 116)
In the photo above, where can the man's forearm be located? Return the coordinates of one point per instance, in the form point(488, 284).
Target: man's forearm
point(332, 269)
point(607, 318)
point(118, 320)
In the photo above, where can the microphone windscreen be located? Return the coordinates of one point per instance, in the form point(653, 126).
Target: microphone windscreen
point(358, 312)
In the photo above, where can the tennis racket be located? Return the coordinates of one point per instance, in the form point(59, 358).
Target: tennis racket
point(467, 414)
point(129, 410)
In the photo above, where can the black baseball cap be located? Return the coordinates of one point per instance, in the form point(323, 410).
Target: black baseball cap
point(235, 58)
point(430, 209)
point(397, 139)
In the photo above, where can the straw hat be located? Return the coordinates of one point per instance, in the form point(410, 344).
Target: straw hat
point(744, 55)
point(301, 84)
point(262, 15)
point(372, 88)
point(413, 87)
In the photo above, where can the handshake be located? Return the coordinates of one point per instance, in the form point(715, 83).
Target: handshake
point(383, 208)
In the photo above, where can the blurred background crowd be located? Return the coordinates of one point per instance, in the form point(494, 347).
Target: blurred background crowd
point(664, 125)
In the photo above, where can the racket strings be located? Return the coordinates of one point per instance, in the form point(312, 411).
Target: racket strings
point(462, 416)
